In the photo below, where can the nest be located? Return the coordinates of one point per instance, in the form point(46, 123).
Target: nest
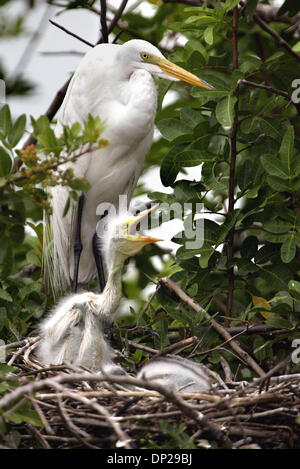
point(75, 408)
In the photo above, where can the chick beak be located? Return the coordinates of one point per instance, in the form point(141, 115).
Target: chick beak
point(132, 227)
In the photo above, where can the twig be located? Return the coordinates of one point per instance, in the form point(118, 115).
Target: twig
point(51, 166)
point(71, 33)
point(117, 16)
point(150, 299)
point(185, 343)
point(175, 398)
point(50, 113)
point(227, 370)
point(272, 90)
point(233, 139)
point(220, 329)
point(26, 272)
point(81, 435)
point(103, 21)
point(30, 47)
point(19, 343)
point(102, 411)
point(276, 36)
point(39, 437)
point(59, 97)
point(41, 414)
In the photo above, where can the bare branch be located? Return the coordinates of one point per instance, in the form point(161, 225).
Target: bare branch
point(71, 33)
point(220, 329)
point(103, 21)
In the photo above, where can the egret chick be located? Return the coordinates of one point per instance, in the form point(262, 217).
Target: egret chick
point(176, 373)
point(73, 332)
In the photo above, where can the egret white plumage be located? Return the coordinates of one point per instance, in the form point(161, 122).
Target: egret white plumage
point(176, 373)
point(114, 82)
point(73, 332)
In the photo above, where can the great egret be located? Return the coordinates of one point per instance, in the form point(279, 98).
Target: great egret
point(116, 83)
point(73, 333)
point(176, 373)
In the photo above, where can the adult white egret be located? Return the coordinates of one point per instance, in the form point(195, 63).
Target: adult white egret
point(116, 83)
point(176, 373)
point(73, 332)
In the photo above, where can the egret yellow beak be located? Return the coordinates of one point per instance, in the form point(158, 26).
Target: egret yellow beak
point(180, 73)
point(132, 225)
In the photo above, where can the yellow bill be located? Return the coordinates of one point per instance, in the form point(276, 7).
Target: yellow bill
point(181, 74)
point(132, 226)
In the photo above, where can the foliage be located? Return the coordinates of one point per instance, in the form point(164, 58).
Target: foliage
point(244, 136)
point(25, 176)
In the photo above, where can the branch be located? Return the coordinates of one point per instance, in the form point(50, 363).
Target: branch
point(171, 396)
point(50, 113)
point(71, 34)
point(233, 139)
point(58, 99)
point(220, 329)
point(272, 90)
point(103, 21)
point(116, 18)
point(276, 36)
point(51, 166)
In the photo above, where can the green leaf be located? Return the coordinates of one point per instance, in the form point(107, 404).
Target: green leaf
point(249, 247)
point(205, 255)
point(192, 158)
point(294, 288)
point(173, 128)
point(4, 295)
point(288, 249)
point(277, 226)
point(225, 111)
point(5, 163)
point(274, 166)
point(209, 35)
point(191, 117)
point(287, 148)
point(230, 4)
point(5, 120)
point(203, 20)
point(16, 133)
point(280, 185)
point(169, 167)
point(227, 226)
point(79, 184)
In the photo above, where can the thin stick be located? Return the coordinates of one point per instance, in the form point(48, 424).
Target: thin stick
point(233, 139)
point(220, 329)
point(81, 39)
point(103, 21)
point(272, 90)
point(276, 36)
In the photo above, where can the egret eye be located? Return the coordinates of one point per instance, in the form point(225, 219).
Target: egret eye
point(144, 55)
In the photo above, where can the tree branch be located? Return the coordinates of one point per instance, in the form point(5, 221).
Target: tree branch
point(59, 26)
point(276, 36)
point(103, 22)
point(168, 283)
point(233, 139)
point(272, 90)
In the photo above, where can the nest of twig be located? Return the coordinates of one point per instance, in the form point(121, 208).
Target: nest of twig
point(79, 409)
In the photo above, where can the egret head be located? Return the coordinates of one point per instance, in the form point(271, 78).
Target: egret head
point(122, 239)
point(146, 56)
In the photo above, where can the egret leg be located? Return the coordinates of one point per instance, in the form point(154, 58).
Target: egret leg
point(98, 259)
point(99, 263)
point(77, 248)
